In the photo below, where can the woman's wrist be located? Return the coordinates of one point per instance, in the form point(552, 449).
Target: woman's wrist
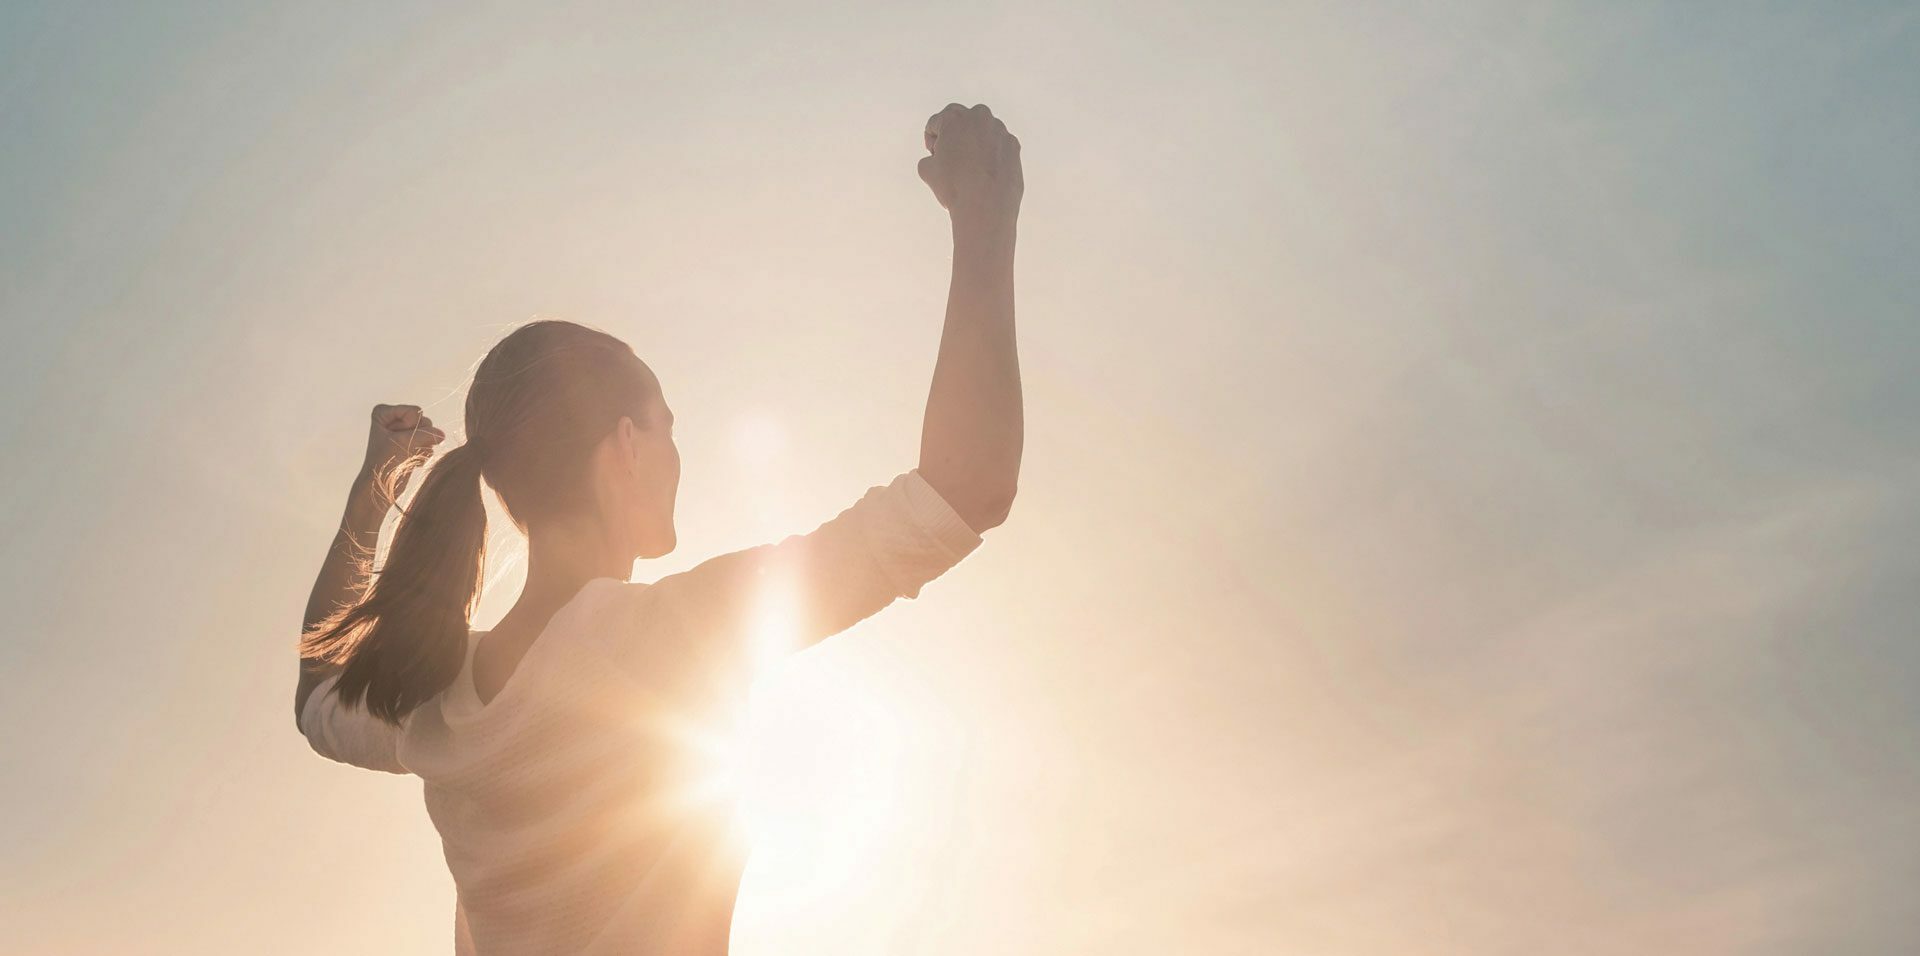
point(994, 235)
point(364, 503)
point(983, 222)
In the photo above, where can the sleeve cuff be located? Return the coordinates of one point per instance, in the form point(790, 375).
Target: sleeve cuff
point(355, 738)
point(936, 517)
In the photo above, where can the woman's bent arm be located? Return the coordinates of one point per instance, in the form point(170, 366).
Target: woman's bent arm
point(971, 439)
point(340, 581)
point(399, 438)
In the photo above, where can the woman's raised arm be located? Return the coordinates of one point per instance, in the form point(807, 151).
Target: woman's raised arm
point(971, 440)
point(782, 597)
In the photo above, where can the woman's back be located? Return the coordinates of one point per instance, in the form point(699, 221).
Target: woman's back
point(570, 805)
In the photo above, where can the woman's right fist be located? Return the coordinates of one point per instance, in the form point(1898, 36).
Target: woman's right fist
point(975, 167)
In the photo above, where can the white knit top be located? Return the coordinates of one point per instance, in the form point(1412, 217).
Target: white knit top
point(571, 806)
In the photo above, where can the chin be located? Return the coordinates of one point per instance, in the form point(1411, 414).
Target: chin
point(660, 548)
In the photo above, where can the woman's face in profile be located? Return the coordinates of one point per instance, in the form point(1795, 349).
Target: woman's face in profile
point(655, 483)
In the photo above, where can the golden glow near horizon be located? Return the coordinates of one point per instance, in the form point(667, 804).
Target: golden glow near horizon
point(817, 795)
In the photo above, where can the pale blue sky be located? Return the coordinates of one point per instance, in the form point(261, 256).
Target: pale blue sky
point(1470, 502)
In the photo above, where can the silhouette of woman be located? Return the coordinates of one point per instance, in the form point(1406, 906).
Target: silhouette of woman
point(546, 745)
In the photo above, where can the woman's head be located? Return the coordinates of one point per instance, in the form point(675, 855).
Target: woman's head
point(571, 430)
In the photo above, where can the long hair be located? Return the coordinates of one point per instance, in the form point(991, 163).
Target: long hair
point(540, 402)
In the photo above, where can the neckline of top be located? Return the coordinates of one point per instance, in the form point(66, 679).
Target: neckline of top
point(470, 706)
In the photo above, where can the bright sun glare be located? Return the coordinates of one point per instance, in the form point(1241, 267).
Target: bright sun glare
point(809, 766)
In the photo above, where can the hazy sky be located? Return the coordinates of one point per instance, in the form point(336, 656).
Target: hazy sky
point(1470, 492)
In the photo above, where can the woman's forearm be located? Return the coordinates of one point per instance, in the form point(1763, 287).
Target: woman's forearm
point(340, 581)
point(971, 441)
point(359, 532)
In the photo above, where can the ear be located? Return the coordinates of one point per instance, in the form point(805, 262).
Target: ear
point(626, 440)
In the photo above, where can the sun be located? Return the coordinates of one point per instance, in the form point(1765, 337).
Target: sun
point(809, 764)
point(811, 773)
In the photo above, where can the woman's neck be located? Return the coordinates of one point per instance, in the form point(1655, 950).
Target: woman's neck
point(560, 561)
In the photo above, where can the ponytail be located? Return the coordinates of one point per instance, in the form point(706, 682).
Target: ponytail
point(405, 641)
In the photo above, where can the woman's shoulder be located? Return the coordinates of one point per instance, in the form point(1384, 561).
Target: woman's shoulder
point(633, 622)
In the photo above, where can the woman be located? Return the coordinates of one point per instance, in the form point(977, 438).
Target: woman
point(548, 746)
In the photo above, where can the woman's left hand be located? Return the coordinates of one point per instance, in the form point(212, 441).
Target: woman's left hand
point(398, 440)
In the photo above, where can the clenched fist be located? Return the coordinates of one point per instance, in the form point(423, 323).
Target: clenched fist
point(398, 440)
point(975, 167)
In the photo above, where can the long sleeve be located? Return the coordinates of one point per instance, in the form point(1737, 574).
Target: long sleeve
point(807, 587)
point(348, 734)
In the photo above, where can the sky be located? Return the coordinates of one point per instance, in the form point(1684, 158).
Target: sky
point(1469, 502)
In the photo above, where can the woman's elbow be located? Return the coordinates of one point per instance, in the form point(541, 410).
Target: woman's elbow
point(300, 727)
point(992, 509)
point(982, 502)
